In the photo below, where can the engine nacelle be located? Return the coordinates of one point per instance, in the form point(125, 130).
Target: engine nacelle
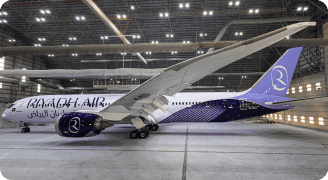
point(77, 124)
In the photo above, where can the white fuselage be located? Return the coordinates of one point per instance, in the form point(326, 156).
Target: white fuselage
point(46, 109)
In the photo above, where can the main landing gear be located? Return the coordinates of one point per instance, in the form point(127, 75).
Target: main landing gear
point(143, 133)
point(26, 128)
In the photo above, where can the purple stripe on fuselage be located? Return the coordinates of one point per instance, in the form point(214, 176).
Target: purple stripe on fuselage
point(222, 111)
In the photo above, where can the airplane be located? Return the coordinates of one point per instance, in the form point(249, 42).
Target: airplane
point(158, 99)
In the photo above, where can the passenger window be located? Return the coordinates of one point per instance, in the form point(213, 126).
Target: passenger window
point(173, 103)
point(189, 103)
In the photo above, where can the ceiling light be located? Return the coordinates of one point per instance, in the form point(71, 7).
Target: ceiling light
point(5, 21)
point(180, 5)
point(156, 42)
point(39, 39)
point(257, 11)
point(201, 34)
point(138, 36)
point(74, 38)
point(305, 9)
point(133, 36)
point(47, 11)
point(37, 19)
point(42, 19)
point(132, 7)
point(237, 3)
point(172, 35)
point(288, 37)
point(43, 39)
point(205, 34)
point(124, 16)
point(152, 42)
point(167, 35)
point(187, 5)
point(205, 13)
point(4, 13)
point(166, 14)
point(160, 14)
point(211, 13)
point(230, 3)
point(70, 39)
point(184, 41)
point(299, 8)
point(9, 40)
point(188, 42)
point(106, 37)
point(172, 52)
point(77, 18)
point(241, 34)
point(236, 34)
point(118, 16)
point(251, 11)
point(101, 37)
point(83, 18)
point(42, 11)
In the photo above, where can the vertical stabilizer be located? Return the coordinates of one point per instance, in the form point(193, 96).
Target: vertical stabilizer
point(277, 79)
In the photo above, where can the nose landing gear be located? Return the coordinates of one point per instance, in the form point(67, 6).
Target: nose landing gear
point(26, 128)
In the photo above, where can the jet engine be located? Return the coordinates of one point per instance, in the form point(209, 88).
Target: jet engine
point(77, 124)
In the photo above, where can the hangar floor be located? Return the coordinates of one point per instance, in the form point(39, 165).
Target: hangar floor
point(234, 150)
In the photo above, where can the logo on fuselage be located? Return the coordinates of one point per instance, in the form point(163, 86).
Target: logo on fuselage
point(74, 125)
point(279, 83)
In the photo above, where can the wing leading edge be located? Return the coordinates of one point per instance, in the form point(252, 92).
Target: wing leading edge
point(148, 97)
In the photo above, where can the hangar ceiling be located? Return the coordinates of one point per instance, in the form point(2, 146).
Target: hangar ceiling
point(71, 22)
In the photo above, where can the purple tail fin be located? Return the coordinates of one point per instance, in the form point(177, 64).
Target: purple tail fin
point(277, 79)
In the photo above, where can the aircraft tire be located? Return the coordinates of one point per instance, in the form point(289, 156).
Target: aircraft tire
point(134, 134)
point(23, 130)
point(142, 134)
point(148, 127)
point(28, 129)
point(155, 127)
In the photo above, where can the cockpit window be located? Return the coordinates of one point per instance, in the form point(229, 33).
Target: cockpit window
point(11, 106)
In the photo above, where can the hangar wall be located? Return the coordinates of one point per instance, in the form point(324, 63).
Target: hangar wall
point(312, 115)
point(11, 92)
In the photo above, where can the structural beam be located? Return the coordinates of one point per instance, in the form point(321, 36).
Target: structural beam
point(93, 6)
point(155, 15)
point(93, 74)
point(144, 47)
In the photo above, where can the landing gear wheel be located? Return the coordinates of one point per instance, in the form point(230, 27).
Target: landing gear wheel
point(142, 134)
point(154, 127)
point(23, 130)
point(28, 129)
point(134, 134)
point(148, 127)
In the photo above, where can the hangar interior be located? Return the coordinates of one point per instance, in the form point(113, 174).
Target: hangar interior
point(88, 55)
point(68, 35)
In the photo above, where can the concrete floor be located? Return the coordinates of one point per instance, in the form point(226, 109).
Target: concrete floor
point(233, 150)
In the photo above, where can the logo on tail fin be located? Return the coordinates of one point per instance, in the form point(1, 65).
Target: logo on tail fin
point(280, 83)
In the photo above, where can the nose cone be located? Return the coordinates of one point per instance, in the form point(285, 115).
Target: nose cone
point(5, 115)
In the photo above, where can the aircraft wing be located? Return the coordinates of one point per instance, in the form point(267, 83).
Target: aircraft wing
point(300, 102)
point(145, 99)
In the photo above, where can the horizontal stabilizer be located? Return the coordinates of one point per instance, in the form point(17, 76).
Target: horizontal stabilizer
point(296, 102)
